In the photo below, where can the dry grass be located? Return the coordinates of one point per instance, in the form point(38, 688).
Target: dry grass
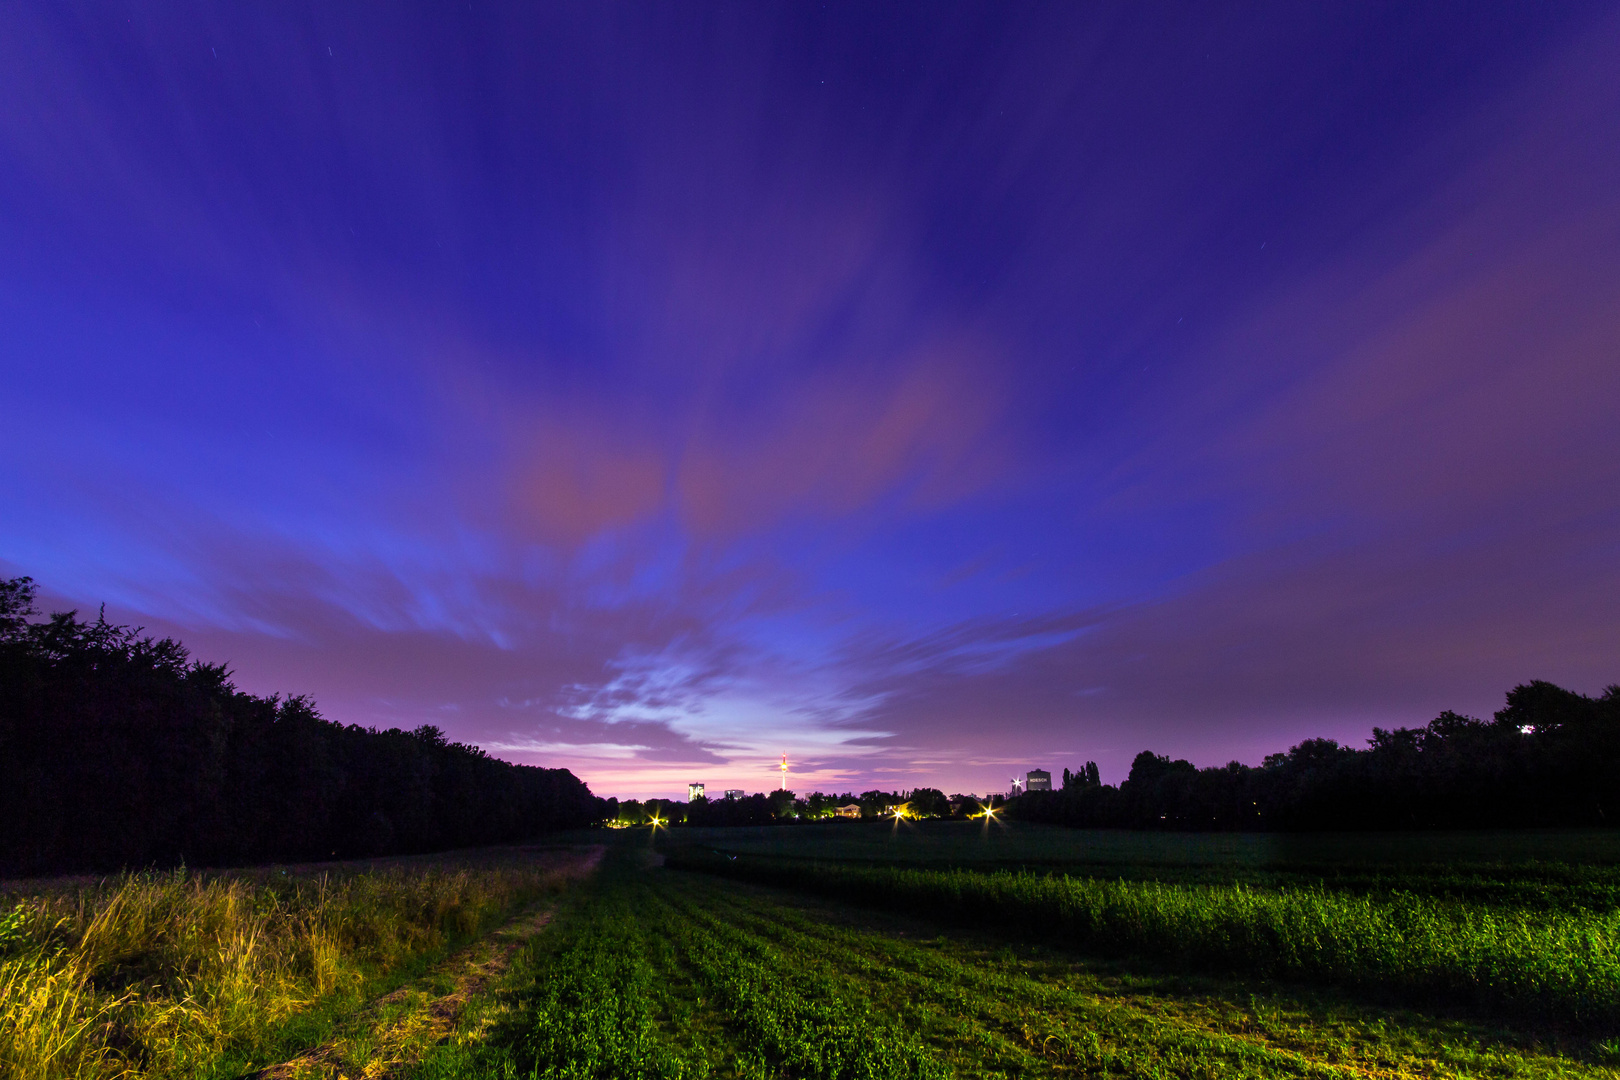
point(161, 975)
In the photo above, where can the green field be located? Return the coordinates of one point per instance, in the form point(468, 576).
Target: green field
point(973, 842)
point(1570, 870)
point(664, 972)
point(848, 951)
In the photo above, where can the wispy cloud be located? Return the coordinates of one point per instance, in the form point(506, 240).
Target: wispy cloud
point(658, 395)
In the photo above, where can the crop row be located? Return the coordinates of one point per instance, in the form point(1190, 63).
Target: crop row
point(595, 1012)
point(660, 974)
point(617, 993)
point(813, 1024)
point(1556, 967)
point(1001, 1014)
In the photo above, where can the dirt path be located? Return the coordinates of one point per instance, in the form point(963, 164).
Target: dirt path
point(397, 1029)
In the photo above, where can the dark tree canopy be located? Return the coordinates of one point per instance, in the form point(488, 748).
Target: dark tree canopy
point(756, 809)
point(1550, 757)
point(119, 750)
point(928, 803)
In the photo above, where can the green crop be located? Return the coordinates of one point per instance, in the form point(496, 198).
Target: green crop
point(594, 1015)
point(638, 985)
point(809, 1022)
point(1558, 967)
point(659, 973)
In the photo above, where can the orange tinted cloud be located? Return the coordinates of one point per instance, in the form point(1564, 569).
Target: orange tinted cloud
point(575, 478)
point(845, 440)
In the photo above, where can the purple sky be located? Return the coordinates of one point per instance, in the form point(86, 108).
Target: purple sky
point(928, 392)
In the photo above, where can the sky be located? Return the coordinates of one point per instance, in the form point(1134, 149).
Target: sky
point(926, 391)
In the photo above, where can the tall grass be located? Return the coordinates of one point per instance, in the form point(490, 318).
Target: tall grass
point(1547, 966)
point(160, 975)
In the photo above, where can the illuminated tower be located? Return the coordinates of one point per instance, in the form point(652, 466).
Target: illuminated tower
point(783, 767)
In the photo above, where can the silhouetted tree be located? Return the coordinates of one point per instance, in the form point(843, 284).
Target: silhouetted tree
point(1085, 777)
point(753, 809)
point(1551, 757)
point(118, 750)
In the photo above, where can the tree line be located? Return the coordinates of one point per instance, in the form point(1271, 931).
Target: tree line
point(785, 807)
point(1549, 758)
point(119, 750)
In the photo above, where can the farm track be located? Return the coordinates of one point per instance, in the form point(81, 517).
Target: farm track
point(389, 1034)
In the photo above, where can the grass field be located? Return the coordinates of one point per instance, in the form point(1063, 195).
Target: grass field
point(661, 972)
point(960, 843)
point(1573, 870)
point(210, 975)
point(846, 953)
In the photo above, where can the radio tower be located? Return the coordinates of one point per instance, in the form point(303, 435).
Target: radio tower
point(783, 767)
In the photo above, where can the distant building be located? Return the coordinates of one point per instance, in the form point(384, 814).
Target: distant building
point(694, 791)
point(735, 793)
point(1037, 780)
point(853, 810)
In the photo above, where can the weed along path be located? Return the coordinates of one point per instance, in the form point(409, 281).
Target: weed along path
point(211, 975)
point(389, 1034)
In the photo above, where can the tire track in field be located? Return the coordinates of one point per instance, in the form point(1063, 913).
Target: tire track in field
point(398, 1028)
